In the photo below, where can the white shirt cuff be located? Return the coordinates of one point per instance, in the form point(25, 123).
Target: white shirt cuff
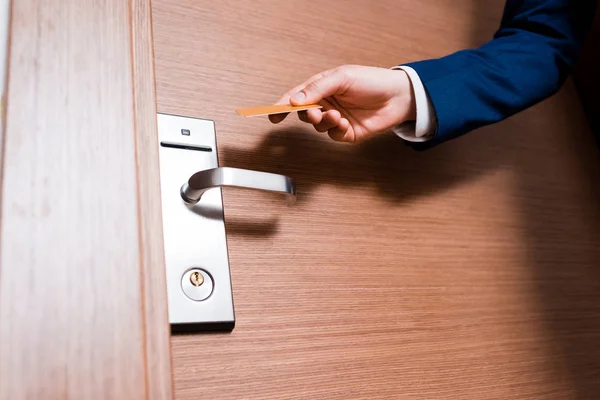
point(425, 125)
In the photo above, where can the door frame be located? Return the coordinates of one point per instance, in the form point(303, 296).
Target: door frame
point(83, 310)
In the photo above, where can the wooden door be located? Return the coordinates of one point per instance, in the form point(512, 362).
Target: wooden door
point(470, 271)
point(82, 288)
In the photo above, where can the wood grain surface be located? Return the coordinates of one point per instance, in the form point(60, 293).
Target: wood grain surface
point(80, 317)
point(157, 329)
point(470, 271)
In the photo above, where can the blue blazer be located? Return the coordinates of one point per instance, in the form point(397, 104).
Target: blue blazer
point(527, 61)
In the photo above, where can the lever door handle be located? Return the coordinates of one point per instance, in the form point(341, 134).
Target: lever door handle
point(196, 259)
point(201, 181)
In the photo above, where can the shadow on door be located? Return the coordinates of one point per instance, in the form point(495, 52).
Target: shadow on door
point(560, 206)
point(558, 190)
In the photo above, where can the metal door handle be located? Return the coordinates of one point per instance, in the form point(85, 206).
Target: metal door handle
point(196, 260)
point(201, 181)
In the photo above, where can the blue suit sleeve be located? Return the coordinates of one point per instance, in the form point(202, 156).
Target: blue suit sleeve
point(527, 61)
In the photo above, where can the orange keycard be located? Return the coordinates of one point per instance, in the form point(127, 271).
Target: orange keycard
point(274, 109)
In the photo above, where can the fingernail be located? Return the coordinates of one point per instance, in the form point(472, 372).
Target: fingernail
point(298, 97)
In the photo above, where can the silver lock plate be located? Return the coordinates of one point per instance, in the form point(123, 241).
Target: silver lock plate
point(194, 235)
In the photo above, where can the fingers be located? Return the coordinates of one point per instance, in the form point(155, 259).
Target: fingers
point(312, 116)
point(337, 127)
point(285, 99)
point(317, 89)
point(335, 82)
point(316, 77)
point(342, 132)
point(329, 120)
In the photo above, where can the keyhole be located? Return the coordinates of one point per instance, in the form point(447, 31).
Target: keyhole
point(196, 278)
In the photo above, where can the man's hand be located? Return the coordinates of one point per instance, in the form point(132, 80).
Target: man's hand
point(358, 102)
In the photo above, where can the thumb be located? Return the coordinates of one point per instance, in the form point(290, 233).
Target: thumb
point(317, 90)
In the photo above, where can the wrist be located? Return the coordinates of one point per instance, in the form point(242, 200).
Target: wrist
point(411, 103)
point(405, 94)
